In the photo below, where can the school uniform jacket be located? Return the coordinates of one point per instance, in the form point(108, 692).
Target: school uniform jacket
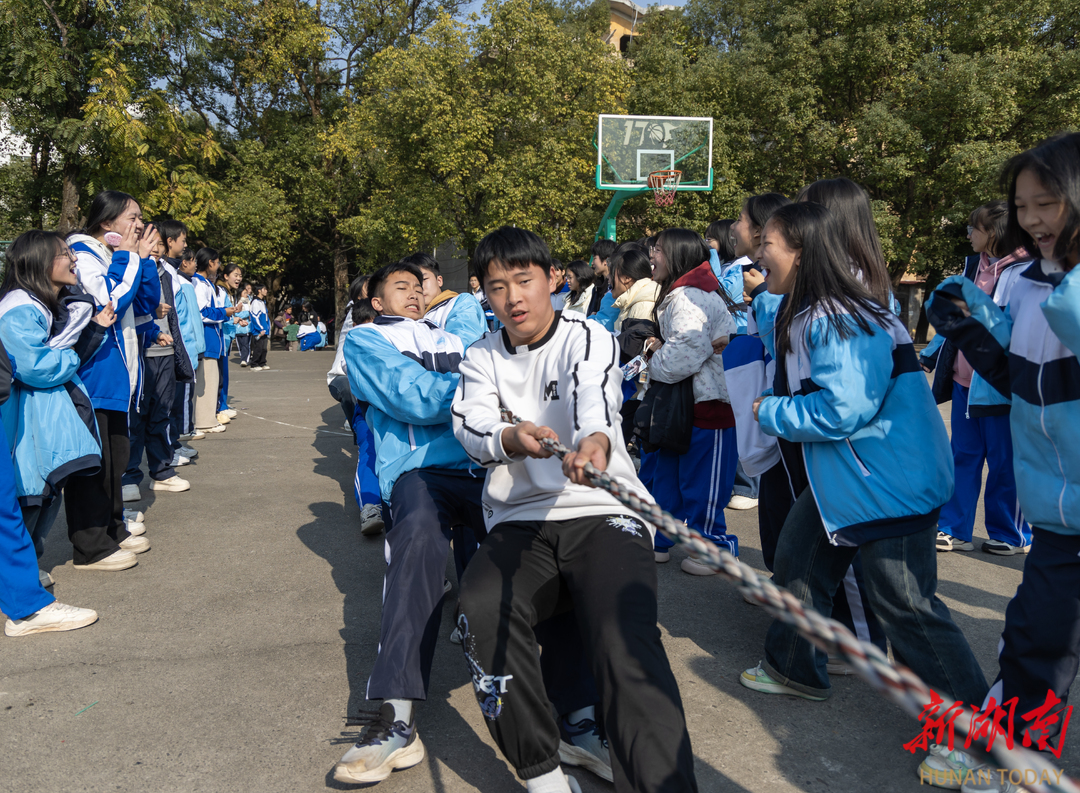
point(569, 381)
point(260, 322)
point(49, 419)
point(461, 315)
point(187, 313)
point(876, 451)
point(111, 377)
point(1029, 352)
point(212, 308)
point(406, 371)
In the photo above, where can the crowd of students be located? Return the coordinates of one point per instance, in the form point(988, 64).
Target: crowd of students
point(762, 361)
point(114, 345)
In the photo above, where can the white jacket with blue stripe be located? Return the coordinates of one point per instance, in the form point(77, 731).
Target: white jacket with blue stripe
point(1029, 352)
point(876, 451)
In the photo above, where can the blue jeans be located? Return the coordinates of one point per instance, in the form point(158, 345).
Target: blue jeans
point(901, 581)
point(746, 485)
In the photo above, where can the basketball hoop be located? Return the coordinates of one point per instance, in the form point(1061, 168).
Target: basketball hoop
point(664, 185)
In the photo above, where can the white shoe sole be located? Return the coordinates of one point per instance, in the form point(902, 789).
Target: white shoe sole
point(112, 566)
point(403, 758)
point(575, 755)
point(68, 625)
point(159, 487)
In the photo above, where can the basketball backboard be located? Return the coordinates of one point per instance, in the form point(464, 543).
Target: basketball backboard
point(629, 148)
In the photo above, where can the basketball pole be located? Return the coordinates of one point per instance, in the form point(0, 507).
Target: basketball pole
point(607, 230)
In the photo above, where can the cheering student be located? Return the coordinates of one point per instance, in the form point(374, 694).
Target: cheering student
point(1030, 352)
point(554, 541)
point(850, 393)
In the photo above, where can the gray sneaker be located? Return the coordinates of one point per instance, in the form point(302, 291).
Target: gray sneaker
point(371, 520)
point(582, 745)
point(386, 745)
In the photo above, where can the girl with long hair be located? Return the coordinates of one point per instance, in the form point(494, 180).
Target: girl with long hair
point(580, 278)
point(850, 397)
point(1030, 352)
point(691, 315)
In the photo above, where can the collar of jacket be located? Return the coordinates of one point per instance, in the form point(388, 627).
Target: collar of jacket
point(643, 290)
point(701, 277)
point(443, 297)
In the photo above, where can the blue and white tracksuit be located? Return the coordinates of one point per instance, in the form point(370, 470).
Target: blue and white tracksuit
point(1029, 352)
point(212, 302)
point(182, 418)
point(461, 315)
point(980, 434)
point(730, 276)
point(406, 371)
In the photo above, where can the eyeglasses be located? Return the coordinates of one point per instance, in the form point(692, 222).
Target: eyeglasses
point(65, 255)
point(970, 230)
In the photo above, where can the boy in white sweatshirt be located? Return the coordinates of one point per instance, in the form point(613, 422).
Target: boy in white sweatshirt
point(555, 544)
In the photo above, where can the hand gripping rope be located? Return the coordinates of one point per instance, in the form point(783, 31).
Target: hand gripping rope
point(896, 683)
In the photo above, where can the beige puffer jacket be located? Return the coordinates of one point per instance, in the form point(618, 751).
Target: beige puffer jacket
point(637, 301)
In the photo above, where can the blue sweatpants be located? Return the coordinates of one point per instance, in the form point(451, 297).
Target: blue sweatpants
point(366, 483)
point(21, 593)
point(223, 390)
point(975, 441)
point(696, 486)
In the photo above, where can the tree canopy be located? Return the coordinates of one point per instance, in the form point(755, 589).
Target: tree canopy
point(311, 141)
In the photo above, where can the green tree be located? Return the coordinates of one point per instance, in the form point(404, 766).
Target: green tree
point(470, 126)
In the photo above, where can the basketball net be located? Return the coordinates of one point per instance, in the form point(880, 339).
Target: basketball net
point(664, 185)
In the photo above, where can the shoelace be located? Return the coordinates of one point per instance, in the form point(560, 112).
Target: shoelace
point(374, 723)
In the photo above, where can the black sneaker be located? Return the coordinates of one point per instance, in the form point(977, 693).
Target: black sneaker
point(386, 745)
point(582, 744)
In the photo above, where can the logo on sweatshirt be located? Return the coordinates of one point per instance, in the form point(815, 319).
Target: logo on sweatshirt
point(628, 525)
point(551, 391)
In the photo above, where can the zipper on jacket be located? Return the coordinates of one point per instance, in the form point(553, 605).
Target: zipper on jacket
point(412, 439)
point(863, 468)
point(813, 492)
point(1042, 423)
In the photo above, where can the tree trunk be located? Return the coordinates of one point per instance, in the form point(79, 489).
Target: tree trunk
point(341, 286)
point(69, 205)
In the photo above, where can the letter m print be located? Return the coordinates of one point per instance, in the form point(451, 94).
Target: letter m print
point(551, 391)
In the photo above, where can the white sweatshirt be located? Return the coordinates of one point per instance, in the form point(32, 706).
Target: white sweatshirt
point(568, 381)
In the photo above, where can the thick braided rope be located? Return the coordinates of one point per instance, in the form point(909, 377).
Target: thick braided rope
point(896, 683)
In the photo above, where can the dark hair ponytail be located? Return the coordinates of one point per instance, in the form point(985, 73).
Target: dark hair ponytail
point(824, 278)
point(28, 264)
point(630, 261)
point(720, 232)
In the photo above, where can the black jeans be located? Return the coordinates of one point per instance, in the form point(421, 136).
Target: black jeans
point(901, 583)
point(528, 571)
point(94, 504)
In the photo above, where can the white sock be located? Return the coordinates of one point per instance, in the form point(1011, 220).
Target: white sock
point(402, 709)
point(579, 715)
point(551, 782)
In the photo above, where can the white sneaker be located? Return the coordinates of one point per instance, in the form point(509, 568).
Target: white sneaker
point(187, 451)
point(173, 484)
point(694, 567)
point(582, 745)
point(742, 502)
point(135, 528)
point(243, 364)
point(387, 745)
point(947, 769)
point(135, 515)
point(757, 679)
point(371, 520)
point(178, 460)
point(230, 413)
point(54, 617)
point(118, 560)
point(223, 417)
point(131, 493)
point(662, 557)
point(46, 580)
point(135, 544)
point(197, 435)
point(215, 428)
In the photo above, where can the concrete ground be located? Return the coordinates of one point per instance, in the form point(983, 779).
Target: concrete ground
point(228, 658)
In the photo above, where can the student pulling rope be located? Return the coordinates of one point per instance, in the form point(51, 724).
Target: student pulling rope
point(896, 683)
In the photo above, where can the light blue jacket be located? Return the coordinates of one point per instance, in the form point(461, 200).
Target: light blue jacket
point(607, 313)
point(48, 418)
point(461, 315)
point(876, 451)
point(1029, 352)
point(406, 371)
point(729, 274)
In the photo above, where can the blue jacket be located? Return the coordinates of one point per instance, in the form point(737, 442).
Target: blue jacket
point(1029, 352)
point(940, 354)
point(48, 419)
point(876, 451)
point(461, 315)
point(187, 314)
point(260, 321)
point(607, 314)
point(212, 308)
point(407, 373)
point(242, 330)
point(106, 376)
point(729, 274)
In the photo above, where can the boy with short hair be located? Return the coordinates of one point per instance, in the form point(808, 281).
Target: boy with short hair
point(404, 368)
point(553, 543)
